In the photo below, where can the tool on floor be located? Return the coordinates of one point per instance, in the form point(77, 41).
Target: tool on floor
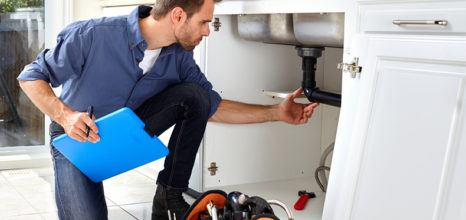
point(303, 198)
point(214, 213)
point(209, 207)
point(236, 204)
point(259, 206)
point(217, 205)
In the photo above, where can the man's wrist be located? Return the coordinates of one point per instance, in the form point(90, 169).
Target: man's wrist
point(273, 113)
point(60, 111)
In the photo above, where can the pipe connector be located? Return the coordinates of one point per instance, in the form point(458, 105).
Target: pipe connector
point(314, 94)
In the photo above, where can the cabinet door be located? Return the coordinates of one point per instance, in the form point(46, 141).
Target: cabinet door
point(408, 147)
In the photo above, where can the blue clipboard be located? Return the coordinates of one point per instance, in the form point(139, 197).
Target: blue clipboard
point(123, 146)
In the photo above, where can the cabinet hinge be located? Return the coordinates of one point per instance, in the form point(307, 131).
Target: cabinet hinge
point(352, 67)
point(216, 24)
point(213, 168)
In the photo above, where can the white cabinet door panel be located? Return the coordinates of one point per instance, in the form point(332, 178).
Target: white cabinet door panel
point(407, 138)
point(407, 145)
point(453, 200)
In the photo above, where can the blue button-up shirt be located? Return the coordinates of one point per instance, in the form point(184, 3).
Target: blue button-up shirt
point(97, 63)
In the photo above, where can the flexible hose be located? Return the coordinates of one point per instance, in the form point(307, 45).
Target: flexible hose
point(322, 179)
point(316, 174)
point(283, 206)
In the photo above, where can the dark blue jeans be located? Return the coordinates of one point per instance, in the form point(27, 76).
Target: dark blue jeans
point(185, 105)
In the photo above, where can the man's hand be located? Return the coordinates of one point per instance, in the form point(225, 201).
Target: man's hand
point(75, 123)
point(295, 113)
point(241, 113)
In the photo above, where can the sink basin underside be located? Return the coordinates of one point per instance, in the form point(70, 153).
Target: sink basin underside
point(307, 30)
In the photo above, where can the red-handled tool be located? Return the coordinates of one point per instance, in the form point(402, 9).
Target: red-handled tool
point(303, 197)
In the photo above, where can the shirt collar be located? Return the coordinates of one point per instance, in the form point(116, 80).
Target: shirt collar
point(134, 30)
point(169, 49)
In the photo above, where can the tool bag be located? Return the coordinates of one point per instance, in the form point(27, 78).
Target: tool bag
point(217, 205)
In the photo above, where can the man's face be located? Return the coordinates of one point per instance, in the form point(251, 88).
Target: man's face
point(189, 34)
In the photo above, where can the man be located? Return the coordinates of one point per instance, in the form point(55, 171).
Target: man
point(143, 61)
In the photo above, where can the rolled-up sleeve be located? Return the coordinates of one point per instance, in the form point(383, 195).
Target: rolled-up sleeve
point(190, 72)
point(64, 61)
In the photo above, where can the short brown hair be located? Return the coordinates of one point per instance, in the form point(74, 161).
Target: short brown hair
point(162, 7)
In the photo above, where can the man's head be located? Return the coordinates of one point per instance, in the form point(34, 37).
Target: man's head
point(190, 19)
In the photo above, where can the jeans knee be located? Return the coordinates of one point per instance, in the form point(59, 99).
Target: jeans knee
point(197, 99)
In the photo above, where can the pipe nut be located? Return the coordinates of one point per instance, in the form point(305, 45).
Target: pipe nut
point(310, 51)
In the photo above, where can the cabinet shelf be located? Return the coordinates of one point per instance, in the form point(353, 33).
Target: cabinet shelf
point(281, 94)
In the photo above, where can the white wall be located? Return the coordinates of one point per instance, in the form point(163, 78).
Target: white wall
point(86, 9)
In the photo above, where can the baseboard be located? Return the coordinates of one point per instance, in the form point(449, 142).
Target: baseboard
point(24, 157)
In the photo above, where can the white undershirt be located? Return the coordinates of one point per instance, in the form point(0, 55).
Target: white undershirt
point(150, 56)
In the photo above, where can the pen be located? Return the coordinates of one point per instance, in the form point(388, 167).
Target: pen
point(90, 112)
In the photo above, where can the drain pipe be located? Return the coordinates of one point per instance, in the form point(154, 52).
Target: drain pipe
point(314, 94)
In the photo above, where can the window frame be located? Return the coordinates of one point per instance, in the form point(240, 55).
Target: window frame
point(57, 14)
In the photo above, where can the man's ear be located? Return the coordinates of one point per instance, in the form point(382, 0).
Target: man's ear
point(178, 15)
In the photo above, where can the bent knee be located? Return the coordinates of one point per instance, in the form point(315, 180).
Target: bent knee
point(196, 98)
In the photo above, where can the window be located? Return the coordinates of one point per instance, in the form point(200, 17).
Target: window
point(21, 39)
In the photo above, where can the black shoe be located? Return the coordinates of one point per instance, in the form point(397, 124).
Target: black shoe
point(167, 201)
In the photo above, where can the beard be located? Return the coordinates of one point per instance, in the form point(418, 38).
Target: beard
point(187, 45)
point(184, 38)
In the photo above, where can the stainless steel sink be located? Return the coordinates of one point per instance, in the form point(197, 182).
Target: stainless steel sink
point(308, 30)
point(267, 28)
